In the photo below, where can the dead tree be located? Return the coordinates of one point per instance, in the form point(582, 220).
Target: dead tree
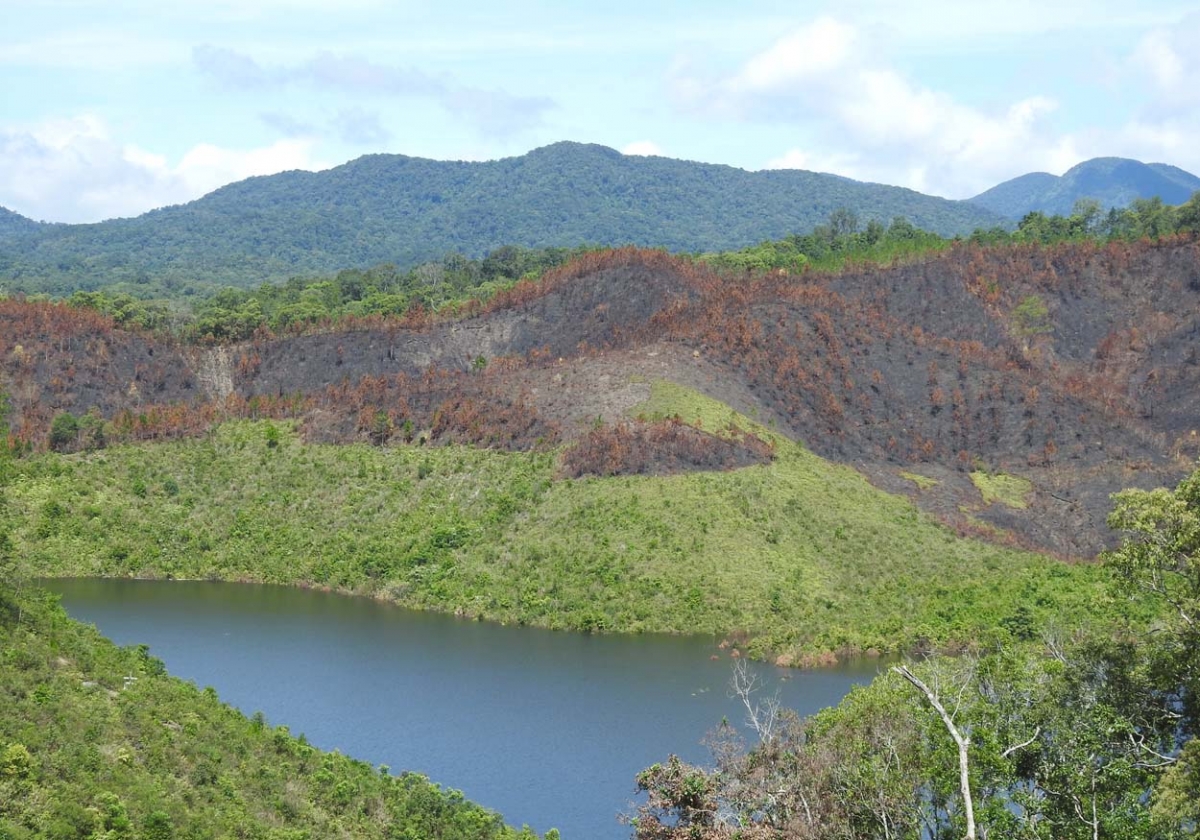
point(963, 742)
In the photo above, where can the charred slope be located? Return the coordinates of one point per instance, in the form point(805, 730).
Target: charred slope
point(54, 358)
point(602, 301)
point(1002, 360)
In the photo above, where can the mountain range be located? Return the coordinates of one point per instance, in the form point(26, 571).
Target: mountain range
point(406, 210)
point(1114, 182)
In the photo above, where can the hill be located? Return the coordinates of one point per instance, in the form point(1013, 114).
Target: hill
point(13, 225)
point(404, 210)
point(989, 385)
point(1114, 182)
point(962, 366)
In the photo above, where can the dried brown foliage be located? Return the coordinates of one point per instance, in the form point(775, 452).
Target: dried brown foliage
point(661, 447)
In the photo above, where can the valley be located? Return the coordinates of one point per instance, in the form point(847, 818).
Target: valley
point(811, 457)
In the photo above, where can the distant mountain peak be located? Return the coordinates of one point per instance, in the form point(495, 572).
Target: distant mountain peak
point(1113, 181)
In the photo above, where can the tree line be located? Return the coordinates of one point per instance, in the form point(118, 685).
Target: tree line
point(233, 313)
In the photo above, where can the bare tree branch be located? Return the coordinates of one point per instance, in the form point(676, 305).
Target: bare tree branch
point(1022, 745)
point(962, 741)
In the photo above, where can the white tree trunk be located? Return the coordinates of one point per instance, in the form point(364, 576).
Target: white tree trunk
point(964, 743)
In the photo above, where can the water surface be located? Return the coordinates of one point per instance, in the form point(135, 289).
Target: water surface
point(547, 728)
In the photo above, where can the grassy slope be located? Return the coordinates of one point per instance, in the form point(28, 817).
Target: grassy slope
point(804, 555)
point(83, 753)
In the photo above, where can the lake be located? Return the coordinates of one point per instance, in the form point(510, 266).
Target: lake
point(547, 728)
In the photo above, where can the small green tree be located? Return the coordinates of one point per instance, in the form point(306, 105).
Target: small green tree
point(1086, 216)
point(64, 432)
point(1031, 317)
point(12, 572)
point(158, 826)
point(16, 763)
point(381, 428)
point(91, 431)
point(1188, 217)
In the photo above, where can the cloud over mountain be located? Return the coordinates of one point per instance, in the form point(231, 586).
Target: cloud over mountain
point(489, 111)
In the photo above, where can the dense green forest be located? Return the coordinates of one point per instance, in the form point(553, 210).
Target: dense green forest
point(232, 313)
point(1113, 182)
point(408, 211)
point(13, 225)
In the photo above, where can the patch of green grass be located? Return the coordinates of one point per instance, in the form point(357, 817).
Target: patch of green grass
point(668, 399)
point(803, 555)
point(1010, 490)
point(923, 482)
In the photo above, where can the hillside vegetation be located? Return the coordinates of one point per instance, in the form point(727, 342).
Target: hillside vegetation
point(403, 210)
point(98, 741)
point(1070, 735)
point(802, 556)
point(13, 225)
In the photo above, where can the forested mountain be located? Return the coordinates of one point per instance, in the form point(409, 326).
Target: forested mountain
point(404, 210)
point(14, 224)
point(1114, 182)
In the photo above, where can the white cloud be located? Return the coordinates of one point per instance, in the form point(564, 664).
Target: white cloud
point(847, 165)
point(810, 52)
point(1156, 55)
point(858, 115)
point(645, 148)
point(73, 170)
point(863, 118)
point(1167, 61)
point(492, 111)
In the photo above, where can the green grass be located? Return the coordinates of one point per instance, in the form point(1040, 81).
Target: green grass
point(923, 482)
point(803, 555)
point(1009, 490)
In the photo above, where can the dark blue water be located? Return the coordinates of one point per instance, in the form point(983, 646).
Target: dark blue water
point(547, 728)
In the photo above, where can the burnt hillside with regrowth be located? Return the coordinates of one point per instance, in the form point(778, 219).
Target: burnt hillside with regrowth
point(1069, 371)
point(603, 300)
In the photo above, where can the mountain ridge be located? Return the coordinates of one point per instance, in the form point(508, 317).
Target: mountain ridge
point(408, 210)
point(1113, 181)
point(13, 224)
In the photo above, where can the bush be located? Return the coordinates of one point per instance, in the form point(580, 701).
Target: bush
point(64, 432)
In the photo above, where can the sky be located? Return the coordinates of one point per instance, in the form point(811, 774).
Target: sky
point(114, 108)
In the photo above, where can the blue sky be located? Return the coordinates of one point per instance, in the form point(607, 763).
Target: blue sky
point(116, 107)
